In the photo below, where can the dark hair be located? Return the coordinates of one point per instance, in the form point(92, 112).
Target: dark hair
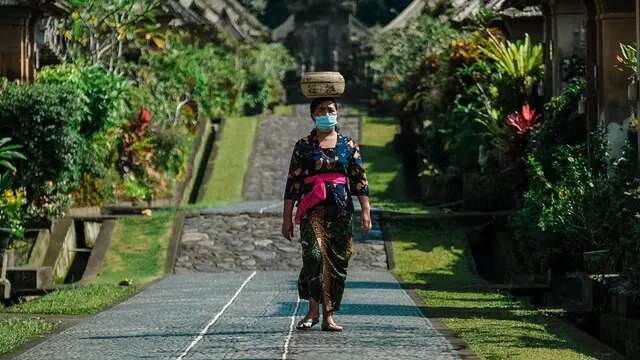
point(317, 101)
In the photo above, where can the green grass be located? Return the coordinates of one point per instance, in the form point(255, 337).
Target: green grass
point(137, 252)
point(433, 257)
point(138, 248)
point(231, 162)
point(285, 110)
point(76, 300)
point(387, 184)
point(15, 332)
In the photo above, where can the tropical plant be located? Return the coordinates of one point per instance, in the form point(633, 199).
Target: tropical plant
point(9, 152)
point(523, 121)
point(518, 60)
point(102, 31)
point(628, 59)
point(11, 212)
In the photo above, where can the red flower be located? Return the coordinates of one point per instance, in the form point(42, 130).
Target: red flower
point(524, 121)
point(144, 118)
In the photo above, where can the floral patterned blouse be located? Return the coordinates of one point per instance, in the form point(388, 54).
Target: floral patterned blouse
point(309, 158)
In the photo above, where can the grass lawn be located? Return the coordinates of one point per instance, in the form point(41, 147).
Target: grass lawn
point(434, 257)
point(138, 248)
point(387, 184)
point(137, 252)
point(231, 162)
point(17, 331)
point(80, 300)
point(285, 110)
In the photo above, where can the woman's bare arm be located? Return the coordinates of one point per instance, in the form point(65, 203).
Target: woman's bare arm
point(287, 216)
point(366, 213)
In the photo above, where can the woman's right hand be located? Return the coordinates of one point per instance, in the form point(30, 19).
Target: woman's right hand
point(287, 228)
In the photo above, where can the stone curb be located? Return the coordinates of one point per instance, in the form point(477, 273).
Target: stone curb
point(174, 243)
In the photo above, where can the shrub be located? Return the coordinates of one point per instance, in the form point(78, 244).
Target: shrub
point(398, 54)
point(102, 94)
point(45, 120)
point(265, 65)
point(206, 74)
point(576, 205)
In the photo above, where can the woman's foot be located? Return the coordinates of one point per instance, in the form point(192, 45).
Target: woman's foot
point(312, 318)
point(307, 323)
point(328, 324)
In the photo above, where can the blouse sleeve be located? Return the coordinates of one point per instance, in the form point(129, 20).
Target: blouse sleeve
point(357, 176)
point(295, 177)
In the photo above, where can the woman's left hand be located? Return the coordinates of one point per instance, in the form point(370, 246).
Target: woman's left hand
point(366, 221)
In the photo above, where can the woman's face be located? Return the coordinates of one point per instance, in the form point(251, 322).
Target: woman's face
point(325, 108)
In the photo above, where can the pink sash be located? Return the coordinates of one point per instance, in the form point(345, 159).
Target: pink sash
point(319, 191)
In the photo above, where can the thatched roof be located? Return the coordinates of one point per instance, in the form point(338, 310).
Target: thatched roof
point(466, 9)
point(411, 12)
point(228, 16)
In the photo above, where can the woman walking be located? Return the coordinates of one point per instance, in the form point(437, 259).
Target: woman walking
point(326, 169)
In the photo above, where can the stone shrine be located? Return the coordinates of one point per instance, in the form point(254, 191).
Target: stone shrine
point(324, 35)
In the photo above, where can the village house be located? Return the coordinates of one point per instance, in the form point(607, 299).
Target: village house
point(22, 48)
point(588, 34)
point(27, 39)
point(518, 17)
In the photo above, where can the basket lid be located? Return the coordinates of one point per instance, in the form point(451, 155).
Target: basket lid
point(322, 84)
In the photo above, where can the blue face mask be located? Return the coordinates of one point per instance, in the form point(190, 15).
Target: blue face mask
point(326, 122)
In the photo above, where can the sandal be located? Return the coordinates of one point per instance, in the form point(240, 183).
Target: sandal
point(307, 323)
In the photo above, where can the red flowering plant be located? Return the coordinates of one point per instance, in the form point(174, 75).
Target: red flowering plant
point(523, 121)
point(136, 155)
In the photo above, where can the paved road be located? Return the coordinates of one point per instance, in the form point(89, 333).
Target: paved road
point(247, 315)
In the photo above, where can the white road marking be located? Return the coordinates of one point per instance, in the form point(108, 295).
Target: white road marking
point(288, 339)
point(213, 321)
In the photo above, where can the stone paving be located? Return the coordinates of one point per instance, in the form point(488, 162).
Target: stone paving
point(171, 316)
point(228, 241)
point(276, 136)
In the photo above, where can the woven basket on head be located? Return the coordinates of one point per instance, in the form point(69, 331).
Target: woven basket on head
point(322, 84)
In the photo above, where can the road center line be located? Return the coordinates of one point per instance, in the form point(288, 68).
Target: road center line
point(213, 321)
point(288, 338)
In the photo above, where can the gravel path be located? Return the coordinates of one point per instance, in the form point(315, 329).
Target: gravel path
point(248, 316)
